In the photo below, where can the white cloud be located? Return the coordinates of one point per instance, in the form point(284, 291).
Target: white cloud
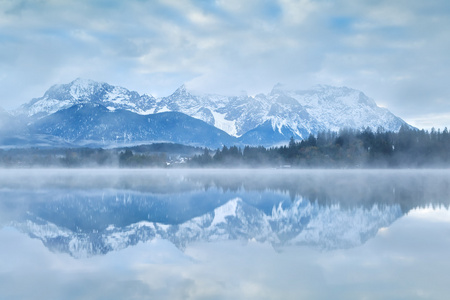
point(393, 51)
point(296, 12)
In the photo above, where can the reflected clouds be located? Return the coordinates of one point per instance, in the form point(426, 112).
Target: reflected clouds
point(93, 212)
point(214, 234)
point(394, 266)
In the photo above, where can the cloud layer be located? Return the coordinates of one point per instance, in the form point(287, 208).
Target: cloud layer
point(394, 51)
point(408, 260)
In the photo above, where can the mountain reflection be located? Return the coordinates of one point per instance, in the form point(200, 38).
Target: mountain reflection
point(92, 212)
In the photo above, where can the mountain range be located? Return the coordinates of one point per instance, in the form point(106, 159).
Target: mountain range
point(92, 212)
point(301, 223)
point(88, 113)
point(91, 221)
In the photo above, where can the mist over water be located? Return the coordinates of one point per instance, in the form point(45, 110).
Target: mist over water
point(244, 234)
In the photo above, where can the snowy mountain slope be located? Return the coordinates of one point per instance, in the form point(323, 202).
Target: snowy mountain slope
point(94, 124)
point(12, 130)
point(338, 107)
point(266, 119)
point(63, 96)
point(5, 118)
point(301, 223)
point(231, 114)
point(290, 112)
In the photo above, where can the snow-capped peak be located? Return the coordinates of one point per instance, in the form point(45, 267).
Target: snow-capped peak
point(300, 222)
point(62, 96)
point(224, 211)
point(181, 90)
point(277, 88)
point(84, 87)
point(84, 83)
point(291, 112)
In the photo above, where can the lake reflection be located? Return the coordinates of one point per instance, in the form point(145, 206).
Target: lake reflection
point(215, 234)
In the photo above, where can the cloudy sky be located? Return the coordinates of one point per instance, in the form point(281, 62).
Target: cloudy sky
point(397, 52)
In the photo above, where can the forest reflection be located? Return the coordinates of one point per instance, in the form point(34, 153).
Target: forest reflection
point(409, 188)
point(106, 232)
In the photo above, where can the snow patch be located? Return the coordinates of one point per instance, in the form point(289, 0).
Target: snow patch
point(227, 210)
point(224, 124)
point(146, 112)
point(164, 109)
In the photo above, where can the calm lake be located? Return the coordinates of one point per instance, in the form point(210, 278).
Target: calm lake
point(224, 234)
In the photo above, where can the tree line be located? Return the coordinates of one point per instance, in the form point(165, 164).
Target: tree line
point(348, 148)
point(144, 156)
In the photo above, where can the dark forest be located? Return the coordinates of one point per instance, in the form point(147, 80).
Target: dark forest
point(348, 148)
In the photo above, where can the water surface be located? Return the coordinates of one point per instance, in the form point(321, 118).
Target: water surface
point(224, 234)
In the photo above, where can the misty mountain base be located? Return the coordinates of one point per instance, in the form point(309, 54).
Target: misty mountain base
point(90, 124)
point(85, 113)
point(347, 149)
